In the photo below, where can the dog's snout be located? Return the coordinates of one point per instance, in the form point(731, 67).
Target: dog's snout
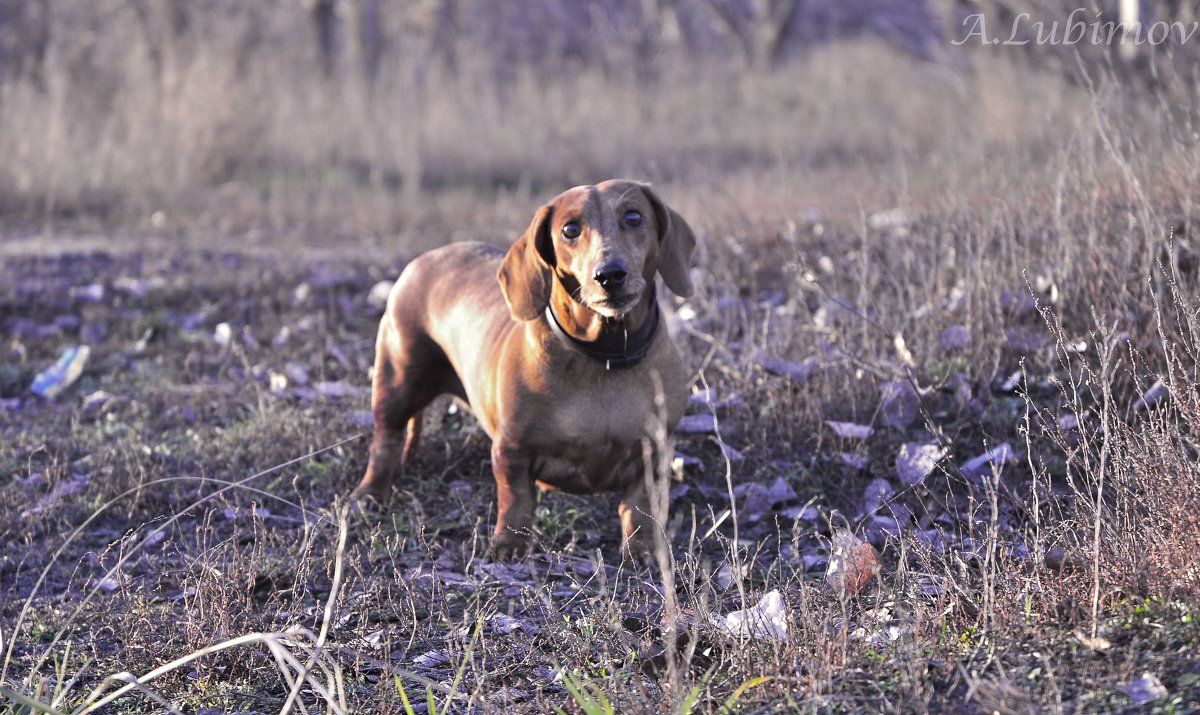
point(611, 275)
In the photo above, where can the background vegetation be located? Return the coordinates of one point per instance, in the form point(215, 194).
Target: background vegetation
point(979, 251)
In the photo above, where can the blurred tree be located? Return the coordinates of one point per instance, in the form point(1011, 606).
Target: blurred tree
point(163, 26)
point(24, 39)
point(758, 27)
point(1130, 15)
point(326, 24)
point(1144, 13)
point(368, 35)
point(353, 28)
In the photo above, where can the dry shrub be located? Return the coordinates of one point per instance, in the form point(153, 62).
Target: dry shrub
point(1153, 529)
point(125, 131)
point(132, 115)
point(1124, 504)
point(1155, 511)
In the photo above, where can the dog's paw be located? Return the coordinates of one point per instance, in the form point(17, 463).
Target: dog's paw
point(639, 552)
point(509, 546)
point(368, 499)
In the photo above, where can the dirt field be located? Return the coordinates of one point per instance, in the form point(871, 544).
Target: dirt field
point(947, 313)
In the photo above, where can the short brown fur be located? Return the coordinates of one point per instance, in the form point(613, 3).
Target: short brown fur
point(469, 320)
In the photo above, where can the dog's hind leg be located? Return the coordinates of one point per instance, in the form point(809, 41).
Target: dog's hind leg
point(409, 373)
point(413, 437)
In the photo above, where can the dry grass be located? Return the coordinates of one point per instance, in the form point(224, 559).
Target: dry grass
point(1035, 213)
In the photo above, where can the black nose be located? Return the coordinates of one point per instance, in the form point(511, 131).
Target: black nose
point(611, 275)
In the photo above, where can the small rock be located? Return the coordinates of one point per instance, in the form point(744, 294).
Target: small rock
point(93, 332)
point(91, 293)
point(1153, 396)
point(301, 294)
point(192, 321)
point(361, 418)
point(708, 398)
point(803, 513)
point(798, 371)
point(139, 287)
point(880, 526)
point(915, 461)
point(1145, 689)
point(771, 298)
point(505, 624)
point(339, 389)
point(984, 463)
point(432, 659)
point(857, 461)
point(223, 335)
point(875, 495)
point(296, 373)
point(378, 296)
point(724, 575)
point(933, 539)
point(813, 560)
point(248, 338)
point(1026, 340)
point(1011, 383)
point(901, 403)
point(850, 430)
point(894, 220)
point(755, 502)
point(96, 400)
point(697, 424)
point(954, 337)
point(781, 492)
point(731, 454)
point(1019, 303)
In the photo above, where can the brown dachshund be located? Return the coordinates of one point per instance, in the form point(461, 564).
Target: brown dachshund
point(558, 347)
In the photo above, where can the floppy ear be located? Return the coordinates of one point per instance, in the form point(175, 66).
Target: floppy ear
point(525, 272)
point(675, 244)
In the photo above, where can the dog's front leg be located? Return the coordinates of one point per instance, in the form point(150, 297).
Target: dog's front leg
point(515, 497)
point(640, 520)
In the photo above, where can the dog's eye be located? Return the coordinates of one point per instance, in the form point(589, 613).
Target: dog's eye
point(571, 230)
point(633, 219)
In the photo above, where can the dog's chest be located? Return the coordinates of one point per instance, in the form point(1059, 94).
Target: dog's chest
point(593, 441)
point(605, 467)
point(618, 410)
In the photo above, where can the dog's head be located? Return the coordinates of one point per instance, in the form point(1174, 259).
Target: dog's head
point(602, 244)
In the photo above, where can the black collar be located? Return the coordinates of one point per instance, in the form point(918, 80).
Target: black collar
point(637, 343)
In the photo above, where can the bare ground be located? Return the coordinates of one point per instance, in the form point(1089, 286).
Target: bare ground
point(186, 491)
